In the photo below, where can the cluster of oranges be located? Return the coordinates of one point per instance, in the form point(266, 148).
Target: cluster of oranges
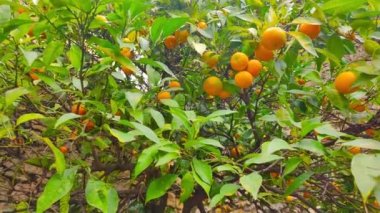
point(179, 37)
point(166, 94)
point(80, 109)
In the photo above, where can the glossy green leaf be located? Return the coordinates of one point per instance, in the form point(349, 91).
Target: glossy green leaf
point(146, 131)
point(274, 145)
point(299, 181)
point(365, 168)
point(30, 56)
point(158, 118)
point(27, 117)
point(122, 136)
point(187, 186)
point(75, 55)
point(252, 183)
point(261, 158)
point(305, 42)
point(133, 98)
point(229, 189)
point(66, 117)
point(52, 51)
point(57, 187)
point(145, 159)
point(60, 163)
point(159, 186)
point(216, 199)
point(311, 145)
point(291, 165)
point(339, 6)
point(306, 20)
point(364, 143)
point(202, 174)
point(309, 125)
point(167, 158)
point(102, 196)
point(12, 95)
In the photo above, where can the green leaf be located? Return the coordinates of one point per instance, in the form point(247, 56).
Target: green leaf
point(201, 142)
point(364, 143)
point(305, 42)
point(65, 117)
point(102, 196)
point(146, 131)
point(300, 180)
point(252, 183)
point(291, 165)
point(27, 117)
point(57, 187)
point(145, 159)
point(219, 113)
point(261, 158)
point(365, 168)
point(229, 189)
point(215, 200)
point(60, 163)
point(309, 125)
point(187, 186)
point(328, 129)
point(202, 174)
point(311, 145)
point(338, 6)
point(122, 136)
point(159, 186)
point(306, 20)
point(13, 94)
point(274, 146)
point(170, 103)
point(5, 13)
point(163, 27)
point(75, 56)
point(52, 51)
point(30, 56)
point(167, 158)
point(134, 98)
point(158, 118)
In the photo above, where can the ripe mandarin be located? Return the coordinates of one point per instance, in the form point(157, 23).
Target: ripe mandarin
point(224, 94)
point(254, 67)
point(243, 79)
point(174, 84)
point(273, 38)
point(344, 81)
point(163, 95)
point(212, 86)
point(239, 61)
point(263, 54)
point(170, 42)
point(78, 109)
point(88, 125)
point(310, 30)
point(181, 36)
point(202, 25)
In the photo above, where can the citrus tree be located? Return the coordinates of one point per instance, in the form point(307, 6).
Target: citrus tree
point(215, 102)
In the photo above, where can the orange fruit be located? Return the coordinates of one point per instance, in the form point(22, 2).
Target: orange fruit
point(301, 81)
point(64, 149)
point(21, 10)
point(370, 132)
point(202, 25)
point(212, 85)
point(31, 31)
point(263, 54)
point(33, 71)
point(344, 81)
point(376, 204)
point(224, 94)
point(126, 52)
point(88, 125)
point(213, 61)
point(181, 36)
point(234, 151)
point(355, 150)
point(274, 174)
point(174, 84)
point(78, 109)
point(310, 30)
point(127, 71)
point(170, 42)
point(163, 95)
point(243, 79)
point(290, 198)
point(273, 38)
point(358, 107)
point(306, 195)
point(239, 61)
point(254, 67)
